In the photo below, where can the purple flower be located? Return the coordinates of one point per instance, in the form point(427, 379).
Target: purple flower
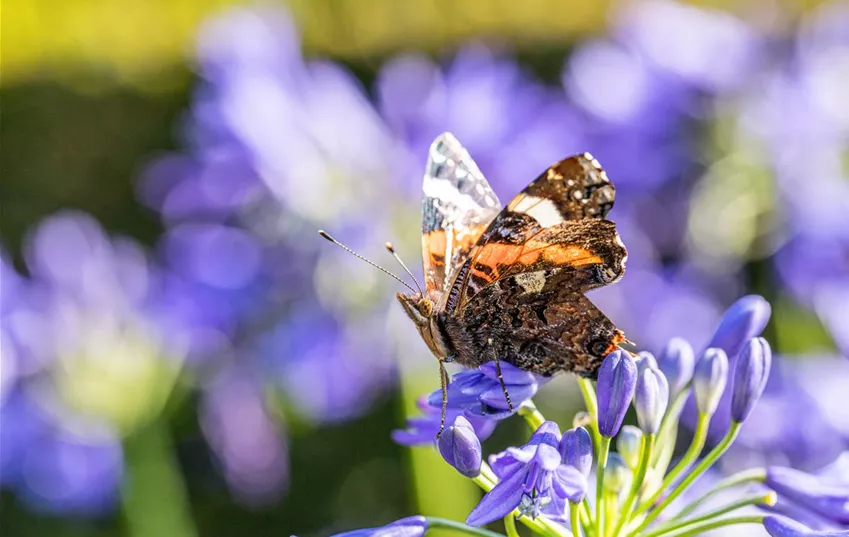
point(421, 430)
point(576, 448)
point(830, 501)
point(617, 474)
point(778, 526)
point(617, 380)
point(412, 526)
point(750, 377)
point(743, 320)
point(644, 360)
point(479, 393)
point(534, 472)
point(677, 362)
point(650, 399)
point(709, 380)
point(461, 448)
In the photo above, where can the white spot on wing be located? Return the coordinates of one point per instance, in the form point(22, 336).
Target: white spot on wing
point(531, 282)
point(542, 210)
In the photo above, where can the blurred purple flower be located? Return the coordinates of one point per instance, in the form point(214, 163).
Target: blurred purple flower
point(651, 397)
point(830, 501)
point(744, 319)
point(413, 526)
point(750, 377)
point(677, 361)
point(709, 380)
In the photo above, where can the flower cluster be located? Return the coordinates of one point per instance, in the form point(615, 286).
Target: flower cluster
point(544, 484)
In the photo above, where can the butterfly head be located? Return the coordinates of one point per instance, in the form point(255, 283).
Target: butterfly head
point(419, 308)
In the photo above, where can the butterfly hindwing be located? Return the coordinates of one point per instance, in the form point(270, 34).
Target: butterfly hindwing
point(557, 221)
point(457, 206)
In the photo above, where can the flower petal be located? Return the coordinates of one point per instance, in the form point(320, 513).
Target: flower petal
point(511, 374)
point(495, 398)
point(502, 499)
point(784, 527)
point(569, 483)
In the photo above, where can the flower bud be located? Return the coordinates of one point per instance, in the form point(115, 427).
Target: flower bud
point(709, 380)
point(645, 359)
point(582, 419)
point(461, 448)
point(750, 376)
point(744, 320)
point(617, 380)
point(677, 361)
point(650, 399)
point(628, 443)
point(576, 448)
point(617, 475)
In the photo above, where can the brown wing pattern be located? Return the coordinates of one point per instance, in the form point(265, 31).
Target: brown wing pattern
point(538, 321)
point(557, 221)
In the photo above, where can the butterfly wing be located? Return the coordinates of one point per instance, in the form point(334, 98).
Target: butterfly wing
point(537, 321)
point(557, 221)
point(457, 206)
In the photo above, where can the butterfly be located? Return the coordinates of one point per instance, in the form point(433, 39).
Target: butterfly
point(508, 283)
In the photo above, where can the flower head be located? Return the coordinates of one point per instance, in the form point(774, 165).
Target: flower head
point(617, 380)
point(743, 320)
point(478, 392)
point(750, 376)
point(709, 380)
point(461, 448)
point(412, 526)
point(534, 473)
point(650, 399)
point(677, 361)
point(646, 359)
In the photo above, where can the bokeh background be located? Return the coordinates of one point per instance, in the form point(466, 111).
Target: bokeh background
point(183, 356)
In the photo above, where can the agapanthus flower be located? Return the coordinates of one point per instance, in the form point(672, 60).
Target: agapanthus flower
point(778, 526)
point(709, 380)
point(536, 471)
point(617, 379)
point(422, 429)
point(461, 448)
point(816, 494)
point(478, 392)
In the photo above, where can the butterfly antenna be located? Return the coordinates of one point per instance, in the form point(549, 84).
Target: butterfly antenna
point(391, 250)
point(358, 256)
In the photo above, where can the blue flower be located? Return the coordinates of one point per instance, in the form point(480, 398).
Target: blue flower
point(743, 320)
point(709, 380)
point(576, 448)
point(778, 526)
point(421, 430)
point(479, 393)
point(628, 443)
point(830, 501)
point(617, 380)
point(461, 448)
point(412, 526)
point(677, 361)
point(750, 376)
point(650, 399)
point(534, 473)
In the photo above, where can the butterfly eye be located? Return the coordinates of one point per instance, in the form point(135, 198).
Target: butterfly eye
point(598, 347)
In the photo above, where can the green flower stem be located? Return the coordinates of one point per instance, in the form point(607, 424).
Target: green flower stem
point(699, 529)
point(604, 449)
point(610, 512)
point(758, 499)
point(755, 475)
point(154, 499)
point(587, 517)
point(510, 526)
point(645, 457)
point(684, 464)
point(574, 518)
point(703, 466)
point(533, 417)
point(668, 433)
point(436, 522)
point(591, 402)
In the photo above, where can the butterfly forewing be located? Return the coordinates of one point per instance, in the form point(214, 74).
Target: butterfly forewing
point(457, 206)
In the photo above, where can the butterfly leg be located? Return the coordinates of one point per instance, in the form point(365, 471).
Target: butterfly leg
point(500, 378)
point(443, 378)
